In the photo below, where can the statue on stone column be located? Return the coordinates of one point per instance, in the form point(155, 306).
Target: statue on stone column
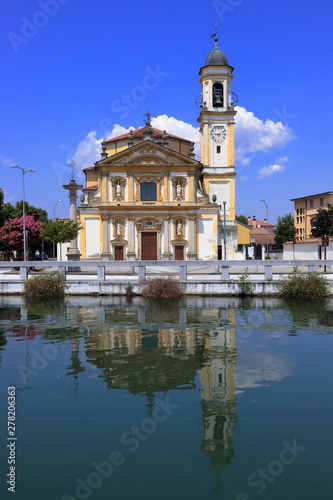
point(118, 228)
point(118, 189)
point(178, 189)
point(179, 228)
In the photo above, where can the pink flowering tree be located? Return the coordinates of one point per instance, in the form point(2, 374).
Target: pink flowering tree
point(11, 235)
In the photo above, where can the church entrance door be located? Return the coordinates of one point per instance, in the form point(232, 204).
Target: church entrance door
point(149, 246)
point(179, 252)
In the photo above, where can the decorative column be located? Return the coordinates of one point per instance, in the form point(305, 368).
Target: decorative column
point(166, 186)
point(104, 190)
point(192, 238)
point(130, 177)
point(192, 191)
point(106, 254)
point(131, 255)
point(73, 251)
point(167, 254)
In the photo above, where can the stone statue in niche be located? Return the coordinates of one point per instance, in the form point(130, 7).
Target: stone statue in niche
point(178, 189)
point(118, 228)
point(179, 227)
point(118, 189)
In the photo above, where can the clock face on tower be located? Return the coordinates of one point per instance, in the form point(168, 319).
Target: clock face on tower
point(218, 134)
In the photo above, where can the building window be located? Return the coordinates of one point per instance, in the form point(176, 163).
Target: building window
point(297, 211)
point(218, 149)
point(148, 191)
point(218, 95)
point(321, 202)
point(311, 203)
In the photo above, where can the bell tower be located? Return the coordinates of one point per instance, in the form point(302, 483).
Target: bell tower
point(217, 121)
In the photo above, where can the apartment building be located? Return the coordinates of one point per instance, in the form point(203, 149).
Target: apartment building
point(305, 208)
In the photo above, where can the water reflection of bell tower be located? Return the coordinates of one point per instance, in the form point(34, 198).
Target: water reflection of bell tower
point(218, 402)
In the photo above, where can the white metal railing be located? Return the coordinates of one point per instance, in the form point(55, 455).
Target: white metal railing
point(140, 267)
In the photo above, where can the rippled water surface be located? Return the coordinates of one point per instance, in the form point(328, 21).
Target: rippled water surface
point(194, 399)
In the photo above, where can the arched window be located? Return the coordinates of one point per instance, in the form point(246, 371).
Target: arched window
point(218, 95)
point(148, 191)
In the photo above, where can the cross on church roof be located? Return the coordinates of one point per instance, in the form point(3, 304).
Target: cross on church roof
point(71, 163)
point(149, 116)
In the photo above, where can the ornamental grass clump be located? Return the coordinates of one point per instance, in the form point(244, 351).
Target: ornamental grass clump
point(304, 286)
point(162, 288)
point(45, 286)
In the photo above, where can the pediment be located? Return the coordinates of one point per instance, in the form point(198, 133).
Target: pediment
point(147, 152)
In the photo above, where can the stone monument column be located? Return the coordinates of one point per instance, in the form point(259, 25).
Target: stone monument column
point(73, 251)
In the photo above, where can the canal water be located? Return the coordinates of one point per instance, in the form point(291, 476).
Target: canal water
point(193, 399)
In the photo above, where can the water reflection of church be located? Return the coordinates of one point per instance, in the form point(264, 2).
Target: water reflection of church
point(137, 355)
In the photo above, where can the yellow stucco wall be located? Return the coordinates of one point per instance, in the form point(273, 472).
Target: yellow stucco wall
point(243, 234)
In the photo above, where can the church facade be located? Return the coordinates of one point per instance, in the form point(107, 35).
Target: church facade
point(148, 198)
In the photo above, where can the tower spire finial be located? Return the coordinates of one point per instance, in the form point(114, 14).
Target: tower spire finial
point(214, 35)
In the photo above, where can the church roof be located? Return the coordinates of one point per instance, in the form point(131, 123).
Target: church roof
point(139, 134)
point(216, 57)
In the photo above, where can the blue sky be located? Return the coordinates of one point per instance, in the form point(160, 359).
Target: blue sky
point(75, 71)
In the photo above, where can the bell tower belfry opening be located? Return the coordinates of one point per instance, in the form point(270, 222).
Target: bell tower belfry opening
point(217, 122)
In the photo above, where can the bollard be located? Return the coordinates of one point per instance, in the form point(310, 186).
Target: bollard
point(183, 273)
point(23, 273)
point(62, 270)
point(225, 273)
point(268, 272)
point(101, 273)
point(141, 273)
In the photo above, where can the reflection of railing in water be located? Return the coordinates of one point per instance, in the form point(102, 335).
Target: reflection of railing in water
point(139, 268)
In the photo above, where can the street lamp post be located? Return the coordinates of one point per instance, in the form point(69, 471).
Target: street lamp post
point(266, 226)
point(54, 221)
point(24, 233)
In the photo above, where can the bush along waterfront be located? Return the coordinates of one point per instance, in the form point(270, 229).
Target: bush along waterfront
point(45, 286)
point(304, 286)
point(164, 288)
point(243, 284)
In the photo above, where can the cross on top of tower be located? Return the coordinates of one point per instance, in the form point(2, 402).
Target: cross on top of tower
point(71, 163)
point(214, 35)
point(148, 118)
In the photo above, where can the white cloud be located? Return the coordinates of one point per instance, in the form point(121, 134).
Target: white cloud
point(270, 170)
point(243, 178)
point(7, 161)
point(180, 128)
point(252, 135)
point(89, 149)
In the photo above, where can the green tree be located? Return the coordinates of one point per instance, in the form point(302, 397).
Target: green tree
point(37, 213)
point(242, 218)
point(284, 229)
point(322, 222)
point(8, 211)
point(60, 231)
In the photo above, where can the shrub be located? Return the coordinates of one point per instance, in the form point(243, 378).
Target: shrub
point(45, 286)
point(164, 288)
point(243, 283)
point(304, 286)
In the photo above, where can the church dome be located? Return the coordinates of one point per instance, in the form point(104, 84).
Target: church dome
point(216, 57)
